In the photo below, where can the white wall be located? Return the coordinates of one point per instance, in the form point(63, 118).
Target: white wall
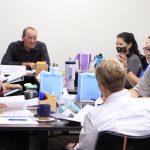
point(72, 26)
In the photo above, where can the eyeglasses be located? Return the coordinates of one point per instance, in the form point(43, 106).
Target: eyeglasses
point(146, 48)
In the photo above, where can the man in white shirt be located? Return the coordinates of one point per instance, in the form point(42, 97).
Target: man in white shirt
point(120, 112)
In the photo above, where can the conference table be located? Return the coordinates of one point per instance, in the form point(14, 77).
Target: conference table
point(41, 129)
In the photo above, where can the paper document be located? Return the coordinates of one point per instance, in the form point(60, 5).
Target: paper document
point(14, 102)
point(79, 117)
point(17, 120)
point(10, 69)
point(17, 113)
point(16, 106)
point(30, 71)
point(15, 77)
point(32, 102)
point(3, 78)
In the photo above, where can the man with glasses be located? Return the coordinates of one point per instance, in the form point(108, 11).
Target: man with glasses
point(143, 86)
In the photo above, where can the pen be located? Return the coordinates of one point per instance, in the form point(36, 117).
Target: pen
point(17, 119)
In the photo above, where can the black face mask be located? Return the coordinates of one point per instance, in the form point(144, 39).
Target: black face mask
point(121, 49)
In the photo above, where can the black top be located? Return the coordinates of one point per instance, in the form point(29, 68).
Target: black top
point(16, 54)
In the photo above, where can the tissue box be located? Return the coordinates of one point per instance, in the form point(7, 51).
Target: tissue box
point(87, 87)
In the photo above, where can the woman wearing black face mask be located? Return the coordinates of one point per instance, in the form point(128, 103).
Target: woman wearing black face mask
point(128, 52)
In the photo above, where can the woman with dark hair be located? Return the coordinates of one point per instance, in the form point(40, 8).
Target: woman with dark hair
point(127, 48)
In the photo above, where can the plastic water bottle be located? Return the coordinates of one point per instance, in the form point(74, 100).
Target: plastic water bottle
point(98, 59)
point(63, 98)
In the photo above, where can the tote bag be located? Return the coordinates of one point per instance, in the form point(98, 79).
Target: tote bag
point(87, 87)
point(51, 82)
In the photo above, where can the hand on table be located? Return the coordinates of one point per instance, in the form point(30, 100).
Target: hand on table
point(30, 64)
point(9, 86)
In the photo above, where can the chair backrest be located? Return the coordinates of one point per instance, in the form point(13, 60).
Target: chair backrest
point(108, 140)
point(143, 61)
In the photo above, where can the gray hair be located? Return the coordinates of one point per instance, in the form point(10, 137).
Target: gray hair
point(27, 28)
point(111, 74)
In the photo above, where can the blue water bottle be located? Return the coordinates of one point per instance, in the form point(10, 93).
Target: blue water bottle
point(98, 59)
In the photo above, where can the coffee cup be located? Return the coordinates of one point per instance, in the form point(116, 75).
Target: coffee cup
point(43, 111)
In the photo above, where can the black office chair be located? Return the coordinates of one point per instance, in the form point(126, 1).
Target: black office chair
point(143, 61)
point(108, 140)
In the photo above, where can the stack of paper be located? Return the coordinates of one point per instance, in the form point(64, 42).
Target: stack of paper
point(15, 77)
point(2, 77)
point(32, 103)
point(15, 106)
point(16, 73)
point(30, 72)
point(79, 117)
point(16, 111)
point(10, 69)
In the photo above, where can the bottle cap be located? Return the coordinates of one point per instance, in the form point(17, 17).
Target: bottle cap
point(41, 96)
point(70, 61)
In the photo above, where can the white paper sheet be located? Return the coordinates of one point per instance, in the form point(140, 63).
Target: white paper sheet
point(32, 102)
point(16, 108)
point(15, 77)
point(17, 113)
point(79, 117)
point(10, 69)
point(2, 77)
point(14, 103)
point(28, 72)
point(17, 120)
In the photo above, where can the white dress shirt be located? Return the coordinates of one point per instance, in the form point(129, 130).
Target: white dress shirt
point(119, 113)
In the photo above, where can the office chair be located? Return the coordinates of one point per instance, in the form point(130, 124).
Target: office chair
point(108, 140)
point(143, 61)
